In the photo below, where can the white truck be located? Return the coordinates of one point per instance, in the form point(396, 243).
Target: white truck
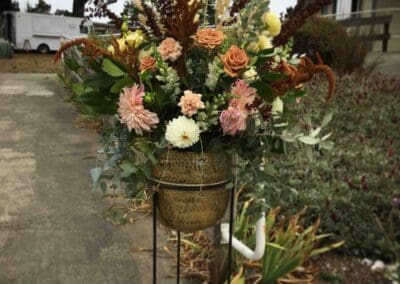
point(41, 32)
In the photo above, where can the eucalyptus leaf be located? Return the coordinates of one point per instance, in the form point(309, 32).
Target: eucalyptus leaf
point(308, 140)
point(95, 173)
point(111, 68)
point(124, 82)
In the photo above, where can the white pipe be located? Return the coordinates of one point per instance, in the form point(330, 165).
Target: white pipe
point(241, 247)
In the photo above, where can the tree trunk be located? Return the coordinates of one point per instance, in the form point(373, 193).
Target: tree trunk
point(79, 8)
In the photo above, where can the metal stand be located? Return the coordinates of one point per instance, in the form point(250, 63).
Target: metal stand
point(154, 238)
point(231, 216)
point(178, 234)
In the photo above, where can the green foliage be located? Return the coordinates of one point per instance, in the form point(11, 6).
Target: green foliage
point(330, 40)
point(353, 186)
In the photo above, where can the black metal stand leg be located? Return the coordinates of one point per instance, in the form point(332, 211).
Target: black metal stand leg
point(178, 254)
point(232, 201)
point(154, 239)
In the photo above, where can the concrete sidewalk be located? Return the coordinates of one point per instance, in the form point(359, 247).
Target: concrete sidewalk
point(387, 63)
point(52, 228)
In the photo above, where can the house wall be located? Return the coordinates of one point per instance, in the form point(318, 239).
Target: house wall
point(366, 5)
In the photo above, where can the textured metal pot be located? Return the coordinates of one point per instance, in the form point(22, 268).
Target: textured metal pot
point(191, 193)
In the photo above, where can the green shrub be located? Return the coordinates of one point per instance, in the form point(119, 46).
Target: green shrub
point(5, 49)
point(330, 40)
point(353, 187)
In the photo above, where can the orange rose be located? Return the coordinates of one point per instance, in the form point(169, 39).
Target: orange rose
point(148, 63)
point(235, 60)
point(209, 38)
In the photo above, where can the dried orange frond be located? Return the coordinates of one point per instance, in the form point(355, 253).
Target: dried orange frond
point(303, 73)
point(91, 48)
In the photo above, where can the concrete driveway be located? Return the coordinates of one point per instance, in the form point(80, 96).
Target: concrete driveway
point(52, 228)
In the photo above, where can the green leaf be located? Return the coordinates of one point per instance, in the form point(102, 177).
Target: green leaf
point(98, 102)
point(103, 187)
point(78, 88)
point(111, 69)
point(71, 64)
point(264, 90)
point(128, 169)
point(99, 80)
point(146, 171)
point(95, 173)
point(124, 82)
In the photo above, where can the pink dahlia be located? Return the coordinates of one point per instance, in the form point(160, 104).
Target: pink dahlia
point(132, 112)
point(190, 103)
point(245, 95)
point(232, 121)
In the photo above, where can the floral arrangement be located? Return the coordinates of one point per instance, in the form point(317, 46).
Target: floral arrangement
point(179, 77)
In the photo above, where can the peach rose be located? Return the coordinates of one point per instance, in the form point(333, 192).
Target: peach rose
point(169, 49)
point(234, 60)
point(209, 38)
point(148, 63)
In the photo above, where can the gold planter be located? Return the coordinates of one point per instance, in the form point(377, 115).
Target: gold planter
point(191, 193)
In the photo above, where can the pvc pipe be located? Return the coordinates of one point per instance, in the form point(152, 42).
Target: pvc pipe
point(259, 250)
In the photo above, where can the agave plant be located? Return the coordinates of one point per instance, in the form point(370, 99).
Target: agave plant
point(288, 244)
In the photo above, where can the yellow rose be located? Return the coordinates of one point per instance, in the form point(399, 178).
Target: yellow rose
point(264, 42)
point(272, 22)
point(135, 39)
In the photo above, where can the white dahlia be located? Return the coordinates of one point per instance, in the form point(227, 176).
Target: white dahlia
point(182, 132)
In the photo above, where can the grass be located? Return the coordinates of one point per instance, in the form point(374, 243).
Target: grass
point(29, 63)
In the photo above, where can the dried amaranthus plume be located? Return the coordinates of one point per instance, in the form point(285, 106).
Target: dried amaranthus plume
point(91, 48)
point(297, 18)
point(151, 20)
point(183, 23)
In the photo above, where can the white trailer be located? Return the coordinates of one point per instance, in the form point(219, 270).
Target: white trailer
point(31, 31)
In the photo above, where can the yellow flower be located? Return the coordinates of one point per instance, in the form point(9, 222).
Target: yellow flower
point(110, 49)
point(250, 75)
point(135, 39)
point(253, 47)
point(121, 44)
point(264, 42)
point(277, 106)
point(272, 22)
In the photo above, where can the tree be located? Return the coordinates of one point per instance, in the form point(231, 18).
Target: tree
point(41, 7)
point(8, 5)
point(63, 13)
point(130, 11)
point(78, 9)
